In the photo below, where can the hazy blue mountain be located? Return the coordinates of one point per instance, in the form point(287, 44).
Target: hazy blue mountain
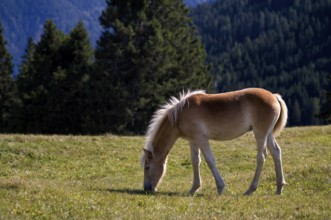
point(191, 3)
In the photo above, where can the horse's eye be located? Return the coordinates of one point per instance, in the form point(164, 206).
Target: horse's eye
point(147, 168)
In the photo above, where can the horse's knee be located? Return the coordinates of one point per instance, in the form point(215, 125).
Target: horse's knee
point(265, 153)
point(260, 157)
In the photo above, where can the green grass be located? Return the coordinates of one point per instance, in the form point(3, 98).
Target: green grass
point(99, 177)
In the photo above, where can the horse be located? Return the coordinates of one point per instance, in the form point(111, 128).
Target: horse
point(197, 117)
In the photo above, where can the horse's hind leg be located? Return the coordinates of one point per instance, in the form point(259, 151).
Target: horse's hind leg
point(196, 160)
point(275, 151)
point(260, 158)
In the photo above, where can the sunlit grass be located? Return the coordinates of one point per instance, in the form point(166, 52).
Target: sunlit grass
point(99, 177)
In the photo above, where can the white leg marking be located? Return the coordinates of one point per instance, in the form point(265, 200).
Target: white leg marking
point(196, 160)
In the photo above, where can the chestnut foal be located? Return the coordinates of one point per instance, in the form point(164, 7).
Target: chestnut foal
point(198, 117)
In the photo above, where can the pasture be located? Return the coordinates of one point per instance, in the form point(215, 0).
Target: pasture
point(99, 177)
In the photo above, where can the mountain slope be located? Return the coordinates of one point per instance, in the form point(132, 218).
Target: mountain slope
point(283, 46)
point(192, 3)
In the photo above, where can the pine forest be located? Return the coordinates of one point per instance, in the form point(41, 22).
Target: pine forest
point(281, 45)
point(149, 50)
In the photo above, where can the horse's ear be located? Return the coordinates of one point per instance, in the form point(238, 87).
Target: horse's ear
point(149, 154)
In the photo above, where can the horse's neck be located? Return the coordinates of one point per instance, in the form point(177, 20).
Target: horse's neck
point(164, 139)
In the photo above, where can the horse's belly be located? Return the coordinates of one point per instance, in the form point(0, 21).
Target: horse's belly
point(227, 131)
point(222, 124)
point(224, 135)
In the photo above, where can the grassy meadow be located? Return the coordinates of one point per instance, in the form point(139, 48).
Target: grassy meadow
point(99, 177)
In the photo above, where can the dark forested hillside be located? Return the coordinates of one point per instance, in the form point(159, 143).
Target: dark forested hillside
point(284, 46)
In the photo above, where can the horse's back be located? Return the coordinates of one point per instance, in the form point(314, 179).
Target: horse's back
point(228, 115)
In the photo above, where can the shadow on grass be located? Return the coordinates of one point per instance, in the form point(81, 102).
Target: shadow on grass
point(142, 192)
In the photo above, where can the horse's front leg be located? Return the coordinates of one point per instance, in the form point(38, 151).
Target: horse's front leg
point(196, 160)
point(207, 153)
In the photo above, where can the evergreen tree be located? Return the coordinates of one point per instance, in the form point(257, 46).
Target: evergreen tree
point(148, 51)
point(53, 79)
point(69, 95)
point(41, 63)
point(7, 86)
point(325, 111)
point(27, 60)
point(25, 85)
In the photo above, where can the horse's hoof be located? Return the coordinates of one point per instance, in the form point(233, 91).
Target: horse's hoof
point(193, 190)
point(191, 193)
point(280, 187)
point(279, 191)
point(220, 191)
point(248, 193)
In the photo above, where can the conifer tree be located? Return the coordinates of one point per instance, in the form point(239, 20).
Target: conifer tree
point(148, 51)
point(41, 63)
point(27, 60)
point(25, 83)
point(7, 86)
point(325, 111)
point(69, 94)
point(53, 79)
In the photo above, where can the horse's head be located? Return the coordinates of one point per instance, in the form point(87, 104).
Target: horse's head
point(154, 170)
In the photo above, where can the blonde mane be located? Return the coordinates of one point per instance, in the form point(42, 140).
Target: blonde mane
point(170, 110)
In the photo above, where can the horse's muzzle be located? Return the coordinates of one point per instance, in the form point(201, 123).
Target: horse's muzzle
point(149, 188)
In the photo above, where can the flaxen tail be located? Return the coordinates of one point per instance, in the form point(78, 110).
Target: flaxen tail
point(282, 120)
